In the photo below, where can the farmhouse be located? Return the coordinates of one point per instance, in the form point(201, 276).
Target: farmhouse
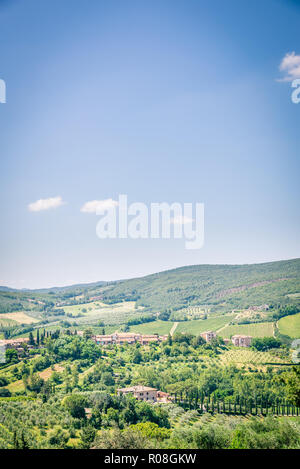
point(208, 336)
point(241, 340)
point(15, 343)
point(142, 393)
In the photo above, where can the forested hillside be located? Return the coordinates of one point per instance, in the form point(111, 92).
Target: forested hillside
point(227, 285)
point(221, 286)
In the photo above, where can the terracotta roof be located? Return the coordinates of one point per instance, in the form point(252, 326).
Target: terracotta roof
point(137, 389)
point(20, 340)
point(240, 336)
point(126, 334)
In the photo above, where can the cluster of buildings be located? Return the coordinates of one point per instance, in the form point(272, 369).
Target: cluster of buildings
point(238, 340)
point(16, 344)
point(120, 338)
point(145, 393)
point(241, 340)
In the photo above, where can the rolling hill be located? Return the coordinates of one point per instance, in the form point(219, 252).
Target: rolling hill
point(221, 287)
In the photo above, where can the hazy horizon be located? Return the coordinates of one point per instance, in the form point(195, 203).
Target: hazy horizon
point(141, 276)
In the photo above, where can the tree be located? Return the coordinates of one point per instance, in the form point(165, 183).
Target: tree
point(126, 439)
point(11, 355)
point(265, 343)
point(152, 430)
point(58, 437)
point(4, 392)
point(35, 383)
point(75, 376)
point(292, 381)
point(129, 414)
point(75, 403)
point(198, 341)
point(3, 381)
point(31, 339)
point(107, 379)
point(137, 357)
point(87, 436)
point(88, 333)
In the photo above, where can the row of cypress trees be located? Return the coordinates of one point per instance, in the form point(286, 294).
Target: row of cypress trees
point(239, 406)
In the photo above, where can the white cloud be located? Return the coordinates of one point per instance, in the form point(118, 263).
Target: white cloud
point(181, 220)
point(290, 66)
point(45, 204)
point(98, 206)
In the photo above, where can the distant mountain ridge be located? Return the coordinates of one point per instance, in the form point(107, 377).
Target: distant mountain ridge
point(221, 286)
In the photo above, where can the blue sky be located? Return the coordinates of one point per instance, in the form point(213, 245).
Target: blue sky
point(162, 100)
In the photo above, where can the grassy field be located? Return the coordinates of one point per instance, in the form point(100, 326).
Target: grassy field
point(76, 309)
point(46, 374)
point(262, 329)
point(20, 317)
point(155, 327)
point(6, 322)
point(17, 386)
point(197, 326)
point(96, 311)
point(290, 325)
point(247, 356)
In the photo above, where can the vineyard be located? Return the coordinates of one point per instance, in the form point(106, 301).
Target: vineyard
point(19, 317)
point(249, 357)
point(90, 313)
point(154, 327)
point(200, 325)
point(263, 329)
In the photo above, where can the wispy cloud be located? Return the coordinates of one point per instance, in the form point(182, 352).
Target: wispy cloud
point(181, 220)
point(45, 204)
point(290, 66)
point(98, 206)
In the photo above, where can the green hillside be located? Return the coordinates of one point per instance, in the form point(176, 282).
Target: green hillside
point(223, 286)
point(290, 326)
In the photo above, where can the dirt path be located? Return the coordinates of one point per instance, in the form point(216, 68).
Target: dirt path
point(221, 328)
point(173, 328)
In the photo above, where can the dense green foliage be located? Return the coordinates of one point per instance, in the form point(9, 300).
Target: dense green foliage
point(50, 409)
point(234, 285)
point(63, 392)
